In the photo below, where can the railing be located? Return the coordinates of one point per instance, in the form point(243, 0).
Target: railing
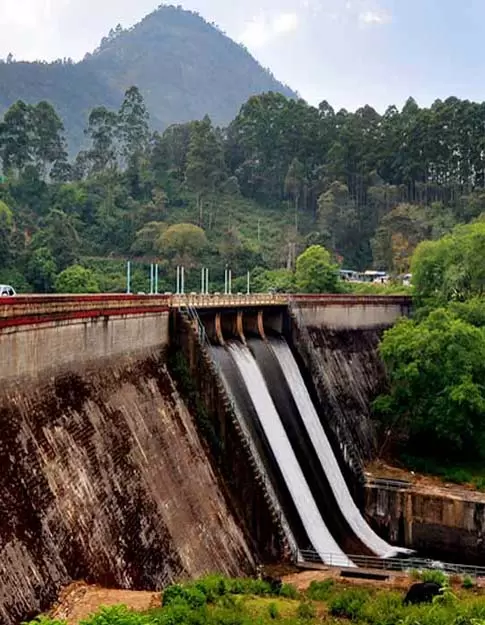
point(388, 484)
point(309, 556)
point(216, 300)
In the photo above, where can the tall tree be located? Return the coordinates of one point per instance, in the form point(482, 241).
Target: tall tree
point(49, 145)
point(103, 132)
point(16, 137)
point(205, 162)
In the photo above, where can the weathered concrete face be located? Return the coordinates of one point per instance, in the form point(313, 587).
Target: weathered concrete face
point(434, 522)
point(103, 476)
point(350, 315)
point(30, 350)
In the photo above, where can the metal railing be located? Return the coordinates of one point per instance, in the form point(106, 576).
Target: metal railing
point(388, 484)
point(310, 556)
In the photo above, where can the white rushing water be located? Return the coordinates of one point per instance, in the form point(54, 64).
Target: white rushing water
point(325, 453)
point(322, 541)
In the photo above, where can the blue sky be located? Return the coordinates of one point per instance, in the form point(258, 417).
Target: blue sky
point(349, 52)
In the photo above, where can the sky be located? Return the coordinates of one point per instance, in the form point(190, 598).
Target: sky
point(348, 52)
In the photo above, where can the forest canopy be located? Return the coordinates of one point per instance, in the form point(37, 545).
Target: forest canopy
point(281, 177)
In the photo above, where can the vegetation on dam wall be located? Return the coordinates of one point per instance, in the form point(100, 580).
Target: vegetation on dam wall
point(220, 601)
point(104, 477)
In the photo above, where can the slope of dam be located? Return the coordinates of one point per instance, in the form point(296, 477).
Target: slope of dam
point(104, 477)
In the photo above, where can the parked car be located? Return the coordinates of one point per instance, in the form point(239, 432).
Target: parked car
point(7, 291)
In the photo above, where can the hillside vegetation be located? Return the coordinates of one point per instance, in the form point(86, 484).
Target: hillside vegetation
point(184, 67)
point(283, 179)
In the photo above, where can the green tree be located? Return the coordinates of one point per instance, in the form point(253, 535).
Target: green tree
point(183, 243)
point(148, 238)
point(436, 371)
point(76, 279)
point(6, 230)
point(16, 137)
point(41, 270)
point(338, 219)
point(103, 131)
point(315, 272)
point(49, 146)
point(205, 162)
point(452, 268)
point(134, 133)
point(294, 184)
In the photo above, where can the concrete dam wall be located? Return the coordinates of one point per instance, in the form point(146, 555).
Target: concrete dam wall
point(103, 473)
point(122, 459)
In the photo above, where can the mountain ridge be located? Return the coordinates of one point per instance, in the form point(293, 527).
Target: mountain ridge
point(184, 67)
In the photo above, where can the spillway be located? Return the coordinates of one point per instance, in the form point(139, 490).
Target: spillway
point(325, 453)
point(311, 518)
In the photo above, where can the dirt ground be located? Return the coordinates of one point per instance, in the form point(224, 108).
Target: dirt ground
point(79, 600)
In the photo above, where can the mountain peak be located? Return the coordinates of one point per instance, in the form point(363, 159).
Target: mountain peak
point(184, 67)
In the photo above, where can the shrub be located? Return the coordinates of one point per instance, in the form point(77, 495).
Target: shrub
point(457, 476)
point(173, 593)
point(479, 483)
point(273, 611)
point(468, 583)
point(118, 614)
point(289, 591)
point(320, 591)
point(436, 576)
point(306, 611)
point(349, 604)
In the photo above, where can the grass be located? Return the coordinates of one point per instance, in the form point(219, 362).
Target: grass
point(473, 474)
point(215, 600)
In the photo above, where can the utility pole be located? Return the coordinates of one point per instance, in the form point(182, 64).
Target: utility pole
point(128, 278)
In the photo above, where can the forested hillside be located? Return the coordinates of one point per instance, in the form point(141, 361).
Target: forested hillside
point(184, 67)
point(283, 176)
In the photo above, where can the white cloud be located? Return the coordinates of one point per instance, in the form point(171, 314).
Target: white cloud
point(370, 18)
point(261, 30)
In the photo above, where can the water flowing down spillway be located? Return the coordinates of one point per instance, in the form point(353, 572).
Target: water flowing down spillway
point(325, 453)
point(318, 533)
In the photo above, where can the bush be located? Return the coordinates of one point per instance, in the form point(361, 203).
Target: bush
point(320, 591)
point(349, 604)
point(306, 611)
point(457, 476)
point(172, 594)
point(438, 577)
point(468, 583)
point(273, 611)
point(289, 591)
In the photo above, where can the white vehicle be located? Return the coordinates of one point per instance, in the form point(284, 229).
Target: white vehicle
point(7, 291)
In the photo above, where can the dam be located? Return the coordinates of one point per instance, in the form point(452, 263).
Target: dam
point(151, 439)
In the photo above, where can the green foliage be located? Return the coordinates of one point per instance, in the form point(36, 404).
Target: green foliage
point(321, 591)
point(76, 279)
point(451, 269)
point(446, 355)
point(468, 583)
point(349, 604)
point(366, 607)
point(434, 576)
point(306, 611)
point(315, 272)
point(273, 611)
